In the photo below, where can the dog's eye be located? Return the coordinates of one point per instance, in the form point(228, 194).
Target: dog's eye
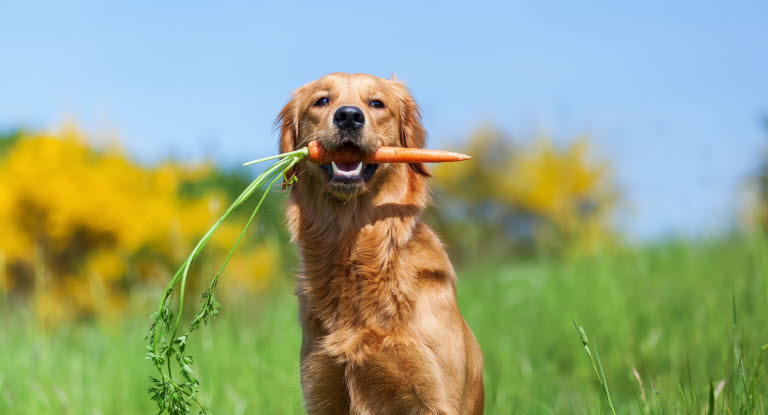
point(377, 104)
point(321, 102)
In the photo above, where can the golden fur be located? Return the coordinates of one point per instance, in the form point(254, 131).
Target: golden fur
point(382, 333)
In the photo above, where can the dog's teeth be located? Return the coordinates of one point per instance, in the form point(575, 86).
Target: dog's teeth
point(347, 173)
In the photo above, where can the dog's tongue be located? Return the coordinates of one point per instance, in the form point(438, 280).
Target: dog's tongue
point(346, 166)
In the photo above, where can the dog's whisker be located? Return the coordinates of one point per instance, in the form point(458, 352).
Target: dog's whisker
point(397, 171)
point(354, 208)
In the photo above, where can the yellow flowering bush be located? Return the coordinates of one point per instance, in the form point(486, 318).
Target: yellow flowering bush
point(556, 197)
point(755, 212)
point(80, 227)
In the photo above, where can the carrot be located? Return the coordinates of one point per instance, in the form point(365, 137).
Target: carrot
point(318, 155)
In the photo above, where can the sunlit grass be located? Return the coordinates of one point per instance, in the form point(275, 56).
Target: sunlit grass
point(679, 326)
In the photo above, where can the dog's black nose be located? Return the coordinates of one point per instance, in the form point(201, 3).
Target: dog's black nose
point(349, 118)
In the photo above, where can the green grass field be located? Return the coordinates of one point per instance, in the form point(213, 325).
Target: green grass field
point(683, 315)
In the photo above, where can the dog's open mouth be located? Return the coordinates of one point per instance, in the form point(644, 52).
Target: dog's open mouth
point(349, 173)
point(346, 175)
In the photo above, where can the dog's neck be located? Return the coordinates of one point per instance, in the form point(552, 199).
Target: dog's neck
point(349, 249)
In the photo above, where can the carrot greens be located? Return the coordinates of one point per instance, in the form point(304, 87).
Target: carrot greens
point(166, 345)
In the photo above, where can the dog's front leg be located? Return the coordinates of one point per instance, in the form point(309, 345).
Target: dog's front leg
point(322, 384)
point(388, 385)
point(322, 377)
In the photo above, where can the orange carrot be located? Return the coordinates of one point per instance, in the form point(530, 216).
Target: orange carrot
point(318, 155)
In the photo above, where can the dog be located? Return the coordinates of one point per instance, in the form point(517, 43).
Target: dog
point(382, 333)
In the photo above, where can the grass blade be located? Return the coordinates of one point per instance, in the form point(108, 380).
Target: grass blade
point(595, 366)
point(604, 381)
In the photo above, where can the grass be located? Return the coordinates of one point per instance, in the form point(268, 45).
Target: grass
point(672, 321)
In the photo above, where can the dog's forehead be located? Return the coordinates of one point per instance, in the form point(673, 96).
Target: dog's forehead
point(349, 84)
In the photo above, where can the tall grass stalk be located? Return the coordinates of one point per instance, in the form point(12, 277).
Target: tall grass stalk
point(595, 364)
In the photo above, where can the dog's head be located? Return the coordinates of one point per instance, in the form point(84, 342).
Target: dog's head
point(359, 113)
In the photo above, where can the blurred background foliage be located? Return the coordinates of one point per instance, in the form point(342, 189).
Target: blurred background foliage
point(83, 227)
point(757, 208)
point(525, 196)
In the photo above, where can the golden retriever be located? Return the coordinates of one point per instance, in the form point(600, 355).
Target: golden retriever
point(382, 333)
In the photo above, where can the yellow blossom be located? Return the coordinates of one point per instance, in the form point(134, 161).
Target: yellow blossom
point(96, 218)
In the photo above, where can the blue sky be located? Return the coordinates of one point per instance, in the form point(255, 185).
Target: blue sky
point(672, 93)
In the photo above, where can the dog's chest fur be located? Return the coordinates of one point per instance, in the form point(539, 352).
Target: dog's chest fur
point(356, 282)
point(377, 307)
point(353, 280)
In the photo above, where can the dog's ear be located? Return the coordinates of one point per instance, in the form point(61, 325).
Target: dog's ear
point(412, 133)
point(288, 122)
